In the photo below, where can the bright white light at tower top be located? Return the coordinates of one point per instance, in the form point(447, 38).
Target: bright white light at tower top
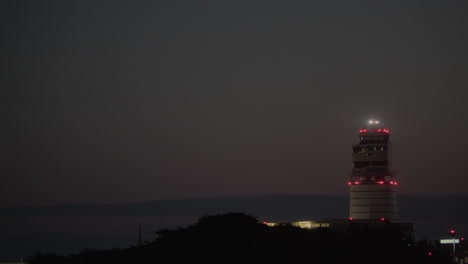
point(371, 122)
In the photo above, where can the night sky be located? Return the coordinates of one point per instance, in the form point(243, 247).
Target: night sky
point(113, 101)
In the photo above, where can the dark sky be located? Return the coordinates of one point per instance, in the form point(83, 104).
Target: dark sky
point(110, 101)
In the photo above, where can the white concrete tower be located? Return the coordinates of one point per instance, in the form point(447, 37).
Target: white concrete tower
point(372, 183)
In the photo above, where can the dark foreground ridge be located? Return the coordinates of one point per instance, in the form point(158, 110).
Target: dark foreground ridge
point(240, 238)
point(69, 228)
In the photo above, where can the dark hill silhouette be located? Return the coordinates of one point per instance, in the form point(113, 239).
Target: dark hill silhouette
point(69, 228)
point(240, 238)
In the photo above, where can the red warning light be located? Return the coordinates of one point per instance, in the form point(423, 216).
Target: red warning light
point(453, 233)
point(382, 219)
point(350, 219)
point(429, 253)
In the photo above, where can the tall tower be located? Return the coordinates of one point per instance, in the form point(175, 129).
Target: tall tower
point(372, 183)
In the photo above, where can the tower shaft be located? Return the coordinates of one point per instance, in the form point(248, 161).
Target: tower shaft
point(372, 183)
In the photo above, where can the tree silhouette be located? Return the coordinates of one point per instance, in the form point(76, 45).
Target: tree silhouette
point(235, 237)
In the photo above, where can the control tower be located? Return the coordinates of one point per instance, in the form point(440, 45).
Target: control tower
point(372, 183)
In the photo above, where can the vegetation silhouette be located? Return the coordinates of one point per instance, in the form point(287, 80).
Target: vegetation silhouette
point(236, 237)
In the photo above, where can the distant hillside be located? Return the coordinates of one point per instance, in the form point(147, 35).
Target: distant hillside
point(72, 227)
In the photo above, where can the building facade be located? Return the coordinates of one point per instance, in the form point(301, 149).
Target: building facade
point(372, 182)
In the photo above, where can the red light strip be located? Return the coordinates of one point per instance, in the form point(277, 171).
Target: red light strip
point(374, 130)
point(378, 182)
